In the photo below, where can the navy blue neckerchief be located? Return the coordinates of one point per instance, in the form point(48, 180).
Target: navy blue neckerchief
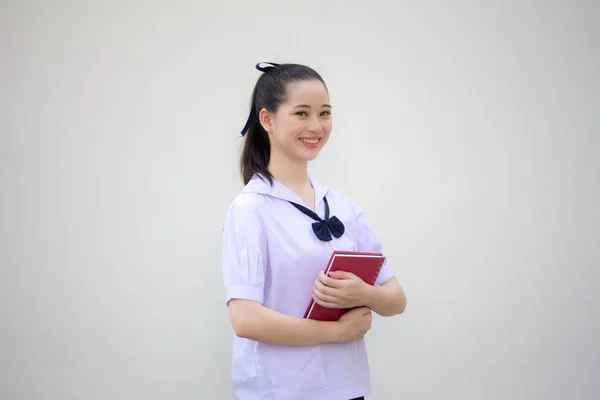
point(323, 228)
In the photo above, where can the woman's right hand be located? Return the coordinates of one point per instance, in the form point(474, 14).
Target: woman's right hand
point(354, 324)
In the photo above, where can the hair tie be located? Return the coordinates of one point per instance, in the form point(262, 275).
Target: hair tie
point(268, 68)
point(252, 114)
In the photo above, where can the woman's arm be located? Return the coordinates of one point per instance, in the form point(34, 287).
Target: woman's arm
point(342, 289)
point(386, 299)
point(252, 320)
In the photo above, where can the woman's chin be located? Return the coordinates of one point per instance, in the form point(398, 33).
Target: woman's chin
point(310, 155)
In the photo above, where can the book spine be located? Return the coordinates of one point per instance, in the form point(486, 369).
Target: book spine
point(378, 271)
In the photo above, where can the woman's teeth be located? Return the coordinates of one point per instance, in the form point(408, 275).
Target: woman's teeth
point(310, 141)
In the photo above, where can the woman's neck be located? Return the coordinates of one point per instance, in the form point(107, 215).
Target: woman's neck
point(292, 173)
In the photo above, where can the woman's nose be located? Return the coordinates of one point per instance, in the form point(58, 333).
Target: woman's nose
point(314, 125)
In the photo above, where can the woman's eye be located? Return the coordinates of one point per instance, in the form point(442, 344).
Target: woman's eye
point(326, 113)
point(302, 113)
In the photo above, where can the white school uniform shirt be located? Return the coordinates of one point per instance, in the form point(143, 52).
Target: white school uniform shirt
point(271, 255)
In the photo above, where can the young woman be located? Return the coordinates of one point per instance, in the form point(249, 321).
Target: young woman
point(278, 236)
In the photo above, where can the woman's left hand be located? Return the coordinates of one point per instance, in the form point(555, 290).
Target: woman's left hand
point(339, 290)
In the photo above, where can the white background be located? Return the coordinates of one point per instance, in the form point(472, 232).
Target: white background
point(468, 131)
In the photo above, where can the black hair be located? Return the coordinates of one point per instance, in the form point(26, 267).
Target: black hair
point(270, 91)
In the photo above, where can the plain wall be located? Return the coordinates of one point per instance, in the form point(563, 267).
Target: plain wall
point(468, 131)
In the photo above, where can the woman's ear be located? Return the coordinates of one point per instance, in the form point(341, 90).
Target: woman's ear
point(266, 120)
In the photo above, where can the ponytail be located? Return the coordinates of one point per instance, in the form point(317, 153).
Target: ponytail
point(256, 153)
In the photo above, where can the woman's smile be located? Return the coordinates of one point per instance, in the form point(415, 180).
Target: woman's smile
point(310, 142)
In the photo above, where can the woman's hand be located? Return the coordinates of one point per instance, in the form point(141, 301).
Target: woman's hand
point(340, 290)
point(354, 324)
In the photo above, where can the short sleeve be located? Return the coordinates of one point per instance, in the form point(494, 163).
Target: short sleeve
point(368, 241)
point(243, 255)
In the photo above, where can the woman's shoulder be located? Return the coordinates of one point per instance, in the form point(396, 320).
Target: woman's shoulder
point(243, 212)
point(245, 203)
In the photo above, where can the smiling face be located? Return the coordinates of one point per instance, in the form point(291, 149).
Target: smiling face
point(300, 127)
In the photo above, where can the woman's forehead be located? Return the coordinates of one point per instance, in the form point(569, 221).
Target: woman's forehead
point(307, 92)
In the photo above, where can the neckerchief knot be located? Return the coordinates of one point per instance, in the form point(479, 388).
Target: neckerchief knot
point(323, 228)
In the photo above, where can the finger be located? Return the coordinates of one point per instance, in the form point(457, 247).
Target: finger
point(362, 311)
point(329, 281)
point(341, 275)
point(326, 289)
point(324, 297)
point(325, 279)
point(366, 310)
point(326, 304)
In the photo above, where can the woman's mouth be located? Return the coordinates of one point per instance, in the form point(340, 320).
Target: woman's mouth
point(310, 142)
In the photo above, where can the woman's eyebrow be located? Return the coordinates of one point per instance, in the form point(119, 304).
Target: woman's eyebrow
point(307, 106)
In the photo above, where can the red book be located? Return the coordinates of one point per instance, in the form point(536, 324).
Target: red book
point(364, 265)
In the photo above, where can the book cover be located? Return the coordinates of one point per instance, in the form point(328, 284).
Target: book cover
point(362, 264)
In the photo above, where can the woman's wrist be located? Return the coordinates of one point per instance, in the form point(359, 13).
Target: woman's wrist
point(369, 296)
point(333, 331)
